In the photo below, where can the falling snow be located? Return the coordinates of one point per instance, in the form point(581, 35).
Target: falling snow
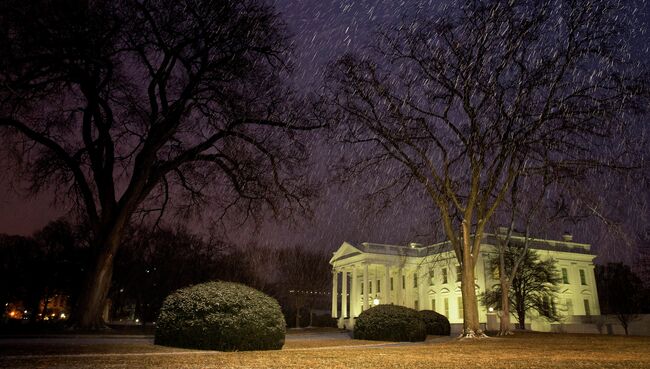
point(615, 217)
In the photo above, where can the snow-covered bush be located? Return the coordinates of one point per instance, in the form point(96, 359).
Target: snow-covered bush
point(390, 323)
point(220, 316)
point(436, 324)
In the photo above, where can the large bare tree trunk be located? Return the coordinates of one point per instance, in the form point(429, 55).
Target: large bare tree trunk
point(504, 322)
point(471, 326)
point(88, 314)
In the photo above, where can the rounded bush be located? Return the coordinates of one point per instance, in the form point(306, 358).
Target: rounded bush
point(220, 316)
point(436, 324)
point(390, 323)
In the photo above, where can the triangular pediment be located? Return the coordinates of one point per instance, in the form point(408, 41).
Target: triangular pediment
point(345, 251)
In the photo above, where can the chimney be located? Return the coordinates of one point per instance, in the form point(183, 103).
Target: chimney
point(567, 237)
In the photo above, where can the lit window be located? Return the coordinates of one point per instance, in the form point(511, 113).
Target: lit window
point(565, 276)
point(583, 277)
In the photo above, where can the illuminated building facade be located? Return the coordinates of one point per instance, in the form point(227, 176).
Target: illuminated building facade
point(428, 277)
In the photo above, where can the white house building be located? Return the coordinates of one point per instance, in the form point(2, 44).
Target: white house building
point(428, 277)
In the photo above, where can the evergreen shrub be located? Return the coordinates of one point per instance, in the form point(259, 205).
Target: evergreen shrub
point(436, 324)
point(390, 323)
point(220, 316)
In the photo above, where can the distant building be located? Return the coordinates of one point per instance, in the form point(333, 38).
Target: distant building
point(428, 277)
point(54, 307)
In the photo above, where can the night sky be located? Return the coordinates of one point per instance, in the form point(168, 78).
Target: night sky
point(323, 30)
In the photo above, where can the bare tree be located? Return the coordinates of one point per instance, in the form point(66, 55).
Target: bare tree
point(151, 264)
point(126, 105)
point(621, 292)
point(459, 104)
point(303, 277)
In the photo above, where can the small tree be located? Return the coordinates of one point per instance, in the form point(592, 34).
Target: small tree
point(524, 207)
point(303, 273)
point(533, 288)
point(620, 292)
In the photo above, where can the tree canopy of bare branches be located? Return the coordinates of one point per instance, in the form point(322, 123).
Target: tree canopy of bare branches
point(121, 104)
point(461, 103)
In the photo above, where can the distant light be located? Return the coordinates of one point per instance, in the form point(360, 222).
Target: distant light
point(491, 309)
point(62, 315)
point(25, 311)
point(375, 301)
point(13, 313)
point(137, 320)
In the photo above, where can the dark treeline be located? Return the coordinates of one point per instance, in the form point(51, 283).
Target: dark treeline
point(150, 265)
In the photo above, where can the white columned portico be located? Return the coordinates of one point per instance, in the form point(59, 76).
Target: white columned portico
point(344, 294)
point(365, 286)
point(387, 285)
point(354, 294)
point(335, 293)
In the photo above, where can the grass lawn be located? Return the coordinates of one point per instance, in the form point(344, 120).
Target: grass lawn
point(524, 350)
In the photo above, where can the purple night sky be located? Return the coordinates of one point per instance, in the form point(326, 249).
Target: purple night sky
point(323, 30)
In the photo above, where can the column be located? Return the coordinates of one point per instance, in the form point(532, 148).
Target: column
point(591, 280)
point(344, 294)
point(398, 286)
point(365, 286)
point(387, 285)
point(335, 293)
point(422, 286)
point(354, 294)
